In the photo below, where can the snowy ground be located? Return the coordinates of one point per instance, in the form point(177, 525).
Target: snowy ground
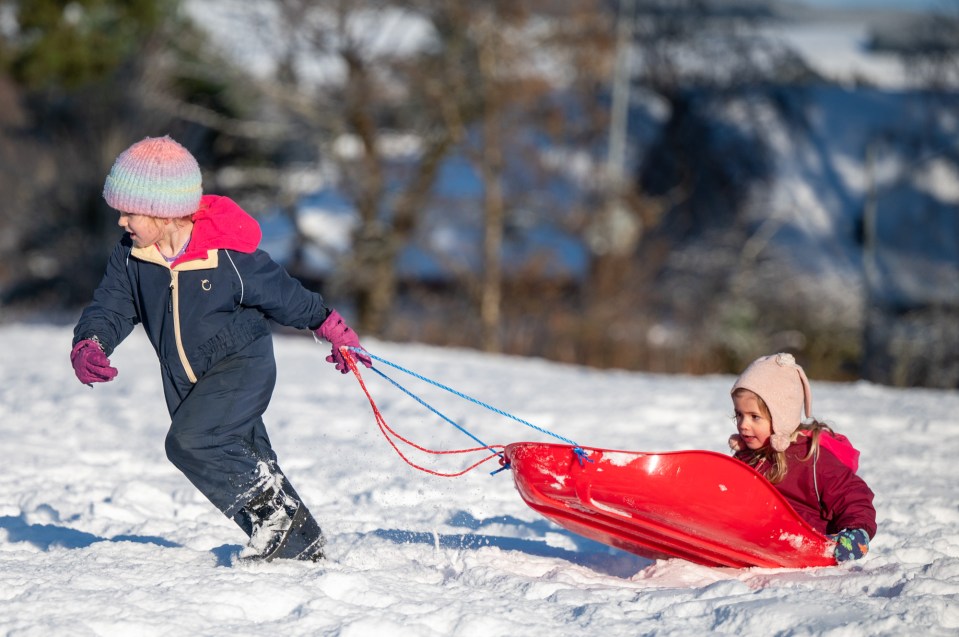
point(100, 535)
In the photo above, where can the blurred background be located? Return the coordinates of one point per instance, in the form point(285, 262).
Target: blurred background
point(672, 186)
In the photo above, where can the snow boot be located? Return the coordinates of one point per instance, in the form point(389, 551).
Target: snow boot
point(305, 541)
point(273, 515)
point(282, 528)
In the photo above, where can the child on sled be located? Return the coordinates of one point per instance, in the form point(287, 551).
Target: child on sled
point(190, 271)
point(810, 464)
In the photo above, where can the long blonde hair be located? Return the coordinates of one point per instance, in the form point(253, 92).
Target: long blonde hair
point(777, 459)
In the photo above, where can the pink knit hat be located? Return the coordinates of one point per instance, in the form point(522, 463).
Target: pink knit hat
point(783, 386)
point(156, 177)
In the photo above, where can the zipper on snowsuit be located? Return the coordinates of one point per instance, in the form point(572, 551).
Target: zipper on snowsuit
point(175, 308)
point(152, 255)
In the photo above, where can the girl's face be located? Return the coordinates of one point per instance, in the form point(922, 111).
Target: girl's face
point(143, 230)
point(752, 419)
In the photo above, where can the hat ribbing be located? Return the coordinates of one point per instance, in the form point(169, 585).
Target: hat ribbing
point(783, 386)
point(156, 177)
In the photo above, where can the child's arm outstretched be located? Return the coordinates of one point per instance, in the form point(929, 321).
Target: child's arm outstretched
point(283, 299)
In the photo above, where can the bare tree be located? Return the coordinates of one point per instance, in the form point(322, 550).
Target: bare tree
point(471, 84)
point(508, 42)
point(369, 88)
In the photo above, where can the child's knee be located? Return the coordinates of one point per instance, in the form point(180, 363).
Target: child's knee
point(181, 447)
point(174, 450)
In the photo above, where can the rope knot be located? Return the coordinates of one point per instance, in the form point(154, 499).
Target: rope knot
point(582, 456)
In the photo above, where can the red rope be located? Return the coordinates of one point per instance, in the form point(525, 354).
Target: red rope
point(387, 431)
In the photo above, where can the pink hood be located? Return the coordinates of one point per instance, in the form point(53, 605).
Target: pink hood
point(220, 224)
point(841, 447)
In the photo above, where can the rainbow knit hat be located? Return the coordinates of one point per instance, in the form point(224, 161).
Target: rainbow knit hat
point(156, 177)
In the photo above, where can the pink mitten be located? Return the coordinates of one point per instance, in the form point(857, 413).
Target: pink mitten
point(90, 364)
point(339, 334)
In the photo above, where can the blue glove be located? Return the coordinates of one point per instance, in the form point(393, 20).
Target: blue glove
point(851, 544)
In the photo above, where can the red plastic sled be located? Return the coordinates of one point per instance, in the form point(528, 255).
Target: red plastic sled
point(700, 506)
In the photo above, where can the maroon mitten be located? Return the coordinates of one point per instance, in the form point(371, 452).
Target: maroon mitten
point(335, 330)
point(90, 364)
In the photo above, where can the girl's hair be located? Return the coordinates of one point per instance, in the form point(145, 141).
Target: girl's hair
point(777, 459)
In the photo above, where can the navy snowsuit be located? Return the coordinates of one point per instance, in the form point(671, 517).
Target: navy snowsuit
point(207, 315)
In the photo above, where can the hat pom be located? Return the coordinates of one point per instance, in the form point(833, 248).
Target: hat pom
point(786, 360)
point(736, 442)
point(780, 442)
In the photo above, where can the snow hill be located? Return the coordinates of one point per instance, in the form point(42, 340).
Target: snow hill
point(100, 535)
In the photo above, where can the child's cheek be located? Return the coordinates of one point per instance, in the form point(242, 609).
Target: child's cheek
point(764, 435)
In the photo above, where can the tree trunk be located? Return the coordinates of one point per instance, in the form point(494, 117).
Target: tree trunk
point(492, 167)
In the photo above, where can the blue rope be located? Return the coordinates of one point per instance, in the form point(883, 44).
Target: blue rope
point(432, 409)
point(579, 451)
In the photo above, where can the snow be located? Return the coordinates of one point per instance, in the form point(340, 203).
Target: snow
point(837, 50)
point(100, 535)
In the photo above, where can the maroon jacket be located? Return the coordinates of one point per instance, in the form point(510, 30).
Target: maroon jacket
point(844, 501)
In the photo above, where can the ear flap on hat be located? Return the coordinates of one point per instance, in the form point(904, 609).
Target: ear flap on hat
point(807, 392)
point(736, 442)
point(780, 442)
